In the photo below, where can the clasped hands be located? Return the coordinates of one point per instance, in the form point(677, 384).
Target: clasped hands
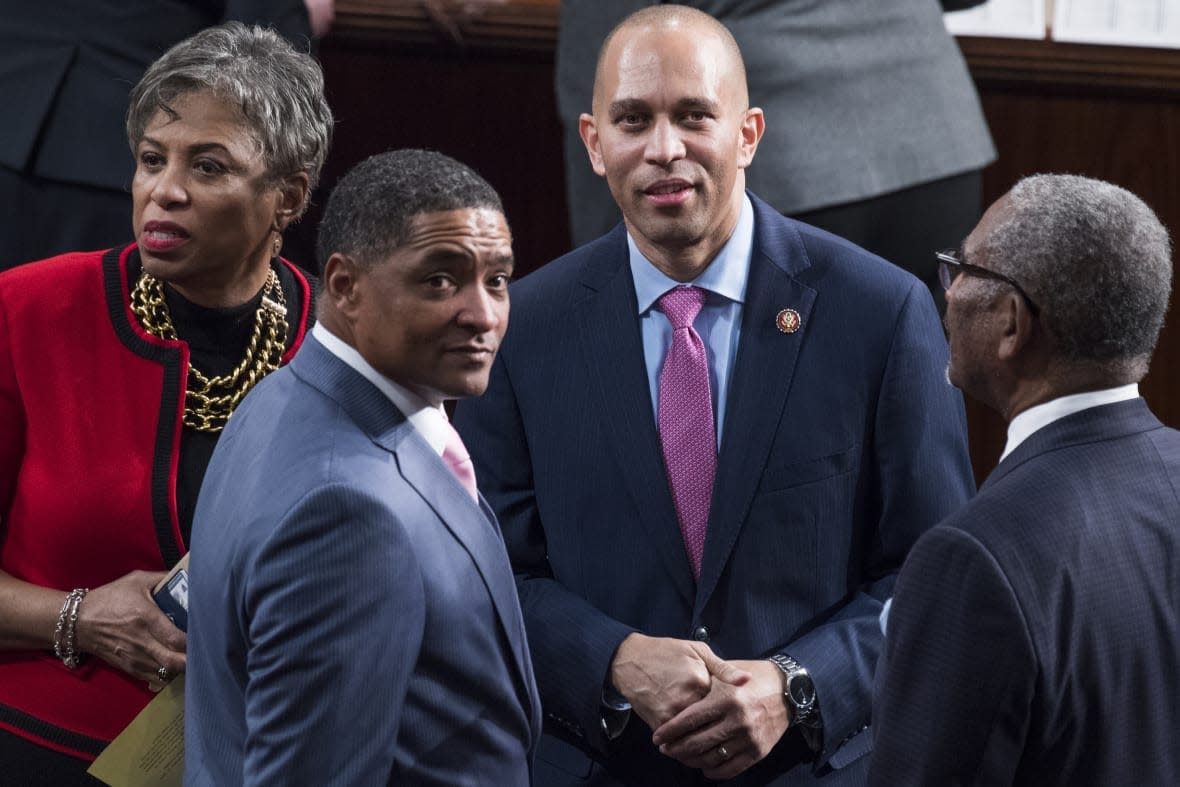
point(716, 715)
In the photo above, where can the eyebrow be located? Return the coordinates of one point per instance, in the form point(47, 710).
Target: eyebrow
point(697, 103)
point(451, 257)
point(200, 147)
point(625, 105)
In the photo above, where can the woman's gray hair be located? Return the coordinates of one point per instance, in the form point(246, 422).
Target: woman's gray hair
point(279, 91)
point(1096, 260)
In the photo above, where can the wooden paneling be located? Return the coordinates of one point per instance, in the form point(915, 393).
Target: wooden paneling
point(1052, 65)
point(493, 110)
point(464, 24)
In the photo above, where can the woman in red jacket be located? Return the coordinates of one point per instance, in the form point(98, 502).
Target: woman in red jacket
point(118, 370)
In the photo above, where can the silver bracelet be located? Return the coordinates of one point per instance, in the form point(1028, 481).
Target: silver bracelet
point(64, 635)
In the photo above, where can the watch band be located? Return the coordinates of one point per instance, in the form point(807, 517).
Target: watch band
point(798, 691)
point(614, 713)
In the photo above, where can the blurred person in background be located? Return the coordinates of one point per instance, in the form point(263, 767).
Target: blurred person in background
point(66, 68)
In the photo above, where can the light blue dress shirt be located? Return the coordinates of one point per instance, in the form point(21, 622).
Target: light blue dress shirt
point(719, 323)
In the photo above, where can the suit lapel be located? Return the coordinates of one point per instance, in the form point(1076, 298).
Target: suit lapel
point(612, 352)
point(476, 531)
point(762, 377)
point(1104, 422)
point(425, 471)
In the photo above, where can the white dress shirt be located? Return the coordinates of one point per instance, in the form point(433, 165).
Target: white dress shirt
point(429, 420)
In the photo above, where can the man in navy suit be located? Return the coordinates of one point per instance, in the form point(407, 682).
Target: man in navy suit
point(1034, 638)
point(353, 619)
point(827, 441)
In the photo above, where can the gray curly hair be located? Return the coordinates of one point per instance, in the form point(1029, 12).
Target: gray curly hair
point(279, 91)
point(1096, 260)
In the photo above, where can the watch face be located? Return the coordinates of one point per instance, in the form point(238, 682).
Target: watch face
point(802, 691)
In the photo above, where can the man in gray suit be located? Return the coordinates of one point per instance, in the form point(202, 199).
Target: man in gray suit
point(353, 616)
point(873, 128)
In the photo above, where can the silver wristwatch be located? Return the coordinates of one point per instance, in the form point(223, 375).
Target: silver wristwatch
point(799, 691)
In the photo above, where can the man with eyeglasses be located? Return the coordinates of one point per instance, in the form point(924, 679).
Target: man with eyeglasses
point(1034, 637)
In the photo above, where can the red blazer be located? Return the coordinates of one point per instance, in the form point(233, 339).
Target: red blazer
point(90, 425)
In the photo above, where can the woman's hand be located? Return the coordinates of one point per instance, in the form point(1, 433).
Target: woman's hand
point(121, 624)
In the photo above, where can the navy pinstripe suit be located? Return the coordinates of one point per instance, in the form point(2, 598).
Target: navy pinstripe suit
point(1034, 637)
point(843, 442)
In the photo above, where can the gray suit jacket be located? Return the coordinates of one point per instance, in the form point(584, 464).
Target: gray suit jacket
point(862, 98)
point(353, 618)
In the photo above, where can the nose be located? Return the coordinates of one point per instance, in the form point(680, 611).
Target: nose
point(483, 309)
point(664, 145)
point(168, 188)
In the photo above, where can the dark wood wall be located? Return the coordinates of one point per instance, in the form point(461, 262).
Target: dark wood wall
point(484, 94)
point(494, 113)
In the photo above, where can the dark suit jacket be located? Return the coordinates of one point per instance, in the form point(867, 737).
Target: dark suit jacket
point(842, 443)
point(353, 618)
point(1035, 636)
point(67, 67)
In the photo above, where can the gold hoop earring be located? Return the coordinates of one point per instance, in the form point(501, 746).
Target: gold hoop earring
point(277, 245)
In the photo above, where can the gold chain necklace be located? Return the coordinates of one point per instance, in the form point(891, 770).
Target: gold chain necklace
point(209, 401)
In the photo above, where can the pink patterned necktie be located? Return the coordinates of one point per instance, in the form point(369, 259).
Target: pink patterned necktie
point(456, 456)
point(686, 420)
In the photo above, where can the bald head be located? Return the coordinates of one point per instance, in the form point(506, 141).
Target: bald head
point(672, 20)
point(672, 132)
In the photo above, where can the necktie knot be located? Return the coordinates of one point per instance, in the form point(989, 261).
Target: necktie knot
point(681, 305)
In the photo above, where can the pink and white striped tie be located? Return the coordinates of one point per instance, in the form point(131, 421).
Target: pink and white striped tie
point(686, 420)
point(456, 456)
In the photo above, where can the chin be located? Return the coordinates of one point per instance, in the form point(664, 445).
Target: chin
point(163, 269)
point(466, 388)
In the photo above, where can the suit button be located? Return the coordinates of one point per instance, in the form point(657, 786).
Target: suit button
point(700, 634)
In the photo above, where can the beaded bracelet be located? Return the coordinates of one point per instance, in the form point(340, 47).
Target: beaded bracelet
point(64, 636)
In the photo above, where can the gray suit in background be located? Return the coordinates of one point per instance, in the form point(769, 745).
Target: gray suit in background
point(863, 98)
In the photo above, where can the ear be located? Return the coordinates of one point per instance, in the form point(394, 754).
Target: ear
point(588, 130)
point(752, 128)
point(341, 284)
point(293, 193)
point(1017, 327)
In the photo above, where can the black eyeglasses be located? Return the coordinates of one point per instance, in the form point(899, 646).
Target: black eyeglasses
point(951, 266)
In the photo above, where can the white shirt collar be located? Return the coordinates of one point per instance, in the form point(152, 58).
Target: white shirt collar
point(430, 421)
point(727, 275)
point(1035, 418)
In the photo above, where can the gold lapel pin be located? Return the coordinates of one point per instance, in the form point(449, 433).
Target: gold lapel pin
point(788, 321)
